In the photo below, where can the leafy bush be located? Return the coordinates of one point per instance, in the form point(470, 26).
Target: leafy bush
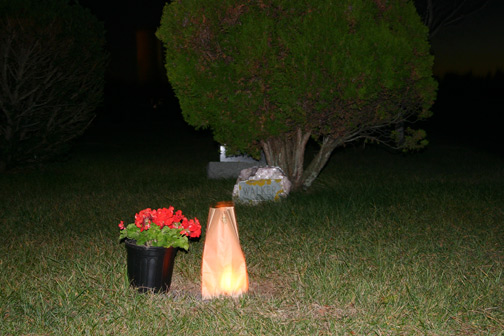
point(52, 67)
point(271, 74)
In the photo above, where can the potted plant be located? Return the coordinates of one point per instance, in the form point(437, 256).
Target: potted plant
point(152, 242)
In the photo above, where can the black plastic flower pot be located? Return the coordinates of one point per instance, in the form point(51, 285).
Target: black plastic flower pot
point(150, 268)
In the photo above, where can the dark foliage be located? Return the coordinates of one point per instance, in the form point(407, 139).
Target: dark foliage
point(52, 67)
point(270, 75)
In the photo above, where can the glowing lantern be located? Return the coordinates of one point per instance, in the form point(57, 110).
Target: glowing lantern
point(223, 271)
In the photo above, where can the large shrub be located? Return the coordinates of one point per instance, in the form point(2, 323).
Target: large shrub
point(52, 67)
point(271, 74)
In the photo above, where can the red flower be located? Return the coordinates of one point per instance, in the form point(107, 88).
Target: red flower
point(143, 219)
point(178, 216)
point(166, 217)
point(193, 228)
point(163, 217)
point(142, 216)
point(196, 228)
point(146, 226)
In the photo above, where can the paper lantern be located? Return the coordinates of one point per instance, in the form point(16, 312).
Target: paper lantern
point(223, 270)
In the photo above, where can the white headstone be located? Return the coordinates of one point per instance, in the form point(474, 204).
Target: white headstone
point(239, 158)
point(231, 166)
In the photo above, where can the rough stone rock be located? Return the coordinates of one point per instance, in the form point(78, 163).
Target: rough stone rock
point(259, 184)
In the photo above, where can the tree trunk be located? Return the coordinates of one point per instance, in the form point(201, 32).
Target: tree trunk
point(287, 152)
point(319, 161)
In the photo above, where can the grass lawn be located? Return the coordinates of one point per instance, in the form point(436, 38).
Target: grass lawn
point(382, 244)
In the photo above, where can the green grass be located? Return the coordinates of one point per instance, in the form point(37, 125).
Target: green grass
point(382, 244)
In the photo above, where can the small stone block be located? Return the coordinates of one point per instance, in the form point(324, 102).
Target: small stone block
point(259, 190)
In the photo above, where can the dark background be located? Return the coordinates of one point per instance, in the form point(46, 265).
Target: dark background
point(469, 65)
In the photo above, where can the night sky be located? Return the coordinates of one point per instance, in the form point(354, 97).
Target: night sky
point(465, 53)
point(474, 44)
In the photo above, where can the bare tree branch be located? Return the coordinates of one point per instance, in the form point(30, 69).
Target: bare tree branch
point(439, 14)
point(47, 95)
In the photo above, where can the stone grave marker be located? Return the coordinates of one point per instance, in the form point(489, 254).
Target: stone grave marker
point(258, 184)
point(231, 166)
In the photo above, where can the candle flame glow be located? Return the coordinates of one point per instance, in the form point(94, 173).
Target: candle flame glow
point(230, 283)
